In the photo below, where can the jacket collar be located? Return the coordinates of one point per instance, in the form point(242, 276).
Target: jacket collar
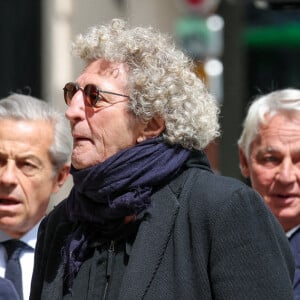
point(154, 233)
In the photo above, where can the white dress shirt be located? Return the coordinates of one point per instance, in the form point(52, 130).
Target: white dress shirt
point(26, 258)
point(292, 231)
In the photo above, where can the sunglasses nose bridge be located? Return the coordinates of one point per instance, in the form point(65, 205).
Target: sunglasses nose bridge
point(76, 108)
point(74, 94)
point(82, 90)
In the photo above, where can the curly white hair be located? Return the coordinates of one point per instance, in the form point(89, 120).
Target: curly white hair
point(161, 80)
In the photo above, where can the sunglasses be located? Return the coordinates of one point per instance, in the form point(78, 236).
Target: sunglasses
point(92, 94)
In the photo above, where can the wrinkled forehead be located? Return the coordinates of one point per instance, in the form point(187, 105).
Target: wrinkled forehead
point(280, 127)
point(106, 72)
point(108, 69)
point(280, 118)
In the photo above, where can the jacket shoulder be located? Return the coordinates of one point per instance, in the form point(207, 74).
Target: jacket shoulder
point(208, 186)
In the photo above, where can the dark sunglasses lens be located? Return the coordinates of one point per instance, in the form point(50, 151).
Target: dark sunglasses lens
point(70, 90)
point(92, 94)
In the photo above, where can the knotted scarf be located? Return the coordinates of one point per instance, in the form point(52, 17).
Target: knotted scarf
point(104, 194)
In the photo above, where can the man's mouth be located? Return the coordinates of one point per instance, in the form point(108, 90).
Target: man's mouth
point(8, 201)
point(286, 196)
point(79, 139)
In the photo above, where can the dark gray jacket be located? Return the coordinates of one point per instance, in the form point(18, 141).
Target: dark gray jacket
point(206, 237)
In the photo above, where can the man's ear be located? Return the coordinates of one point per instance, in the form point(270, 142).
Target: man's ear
point(243, 163)
point(152, 128)
point(61, 177)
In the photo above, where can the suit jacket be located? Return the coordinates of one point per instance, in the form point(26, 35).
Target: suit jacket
point(205, 237)
point(295, 246)
point(7, 290)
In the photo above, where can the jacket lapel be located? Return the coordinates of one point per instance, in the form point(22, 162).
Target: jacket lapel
point(150, 244)
point(53, 287)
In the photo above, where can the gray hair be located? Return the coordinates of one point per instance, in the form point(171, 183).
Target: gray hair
point(23, 107)
point(282, 101)
point(161, 80)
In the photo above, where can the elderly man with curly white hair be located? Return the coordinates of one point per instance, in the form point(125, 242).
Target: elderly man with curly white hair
point(147, 218)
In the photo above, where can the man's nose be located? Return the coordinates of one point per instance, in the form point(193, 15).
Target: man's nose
point(288, 172)
point(76, 109)
point(8, 173)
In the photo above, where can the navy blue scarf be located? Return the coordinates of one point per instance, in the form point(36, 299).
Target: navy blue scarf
point(103, 195)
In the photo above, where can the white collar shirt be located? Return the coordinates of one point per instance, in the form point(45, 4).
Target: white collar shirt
point(292, 231)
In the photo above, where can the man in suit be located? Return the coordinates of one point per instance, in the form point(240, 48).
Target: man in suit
point(269, 152)
point(34, 163)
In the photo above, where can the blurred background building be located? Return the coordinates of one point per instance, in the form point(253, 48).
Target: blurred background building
point(241, 48)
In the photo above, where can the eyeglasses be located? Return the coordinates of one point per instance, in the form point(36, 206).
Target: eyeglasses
point(92, 94)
